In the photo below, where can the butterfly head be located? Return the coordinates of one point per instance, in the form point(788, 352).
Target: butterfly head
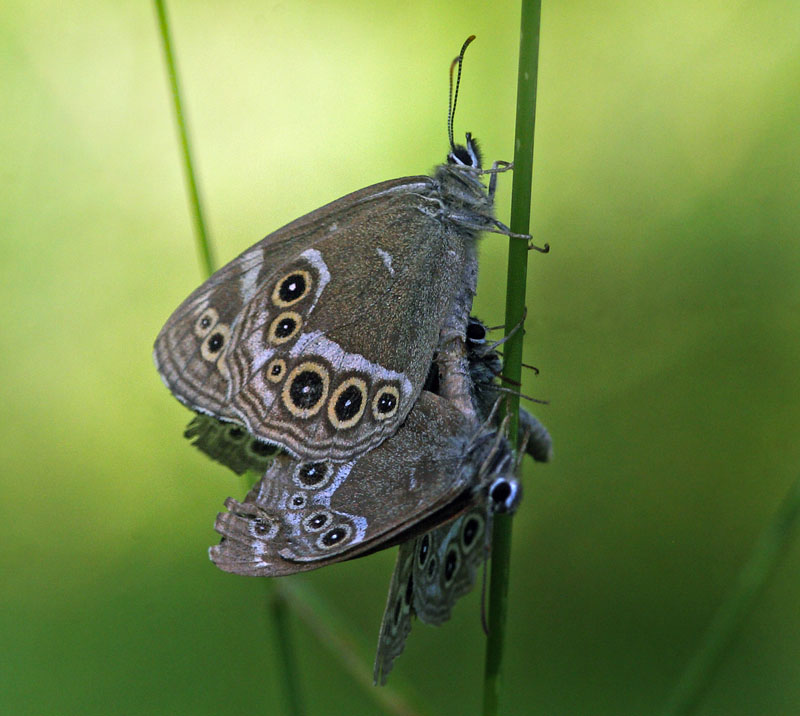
point(497, 467)
point(466, 155)
point(505, 494)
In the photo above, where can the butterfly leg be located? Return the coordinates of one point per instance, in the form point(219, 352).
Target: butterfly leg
point(497, 167)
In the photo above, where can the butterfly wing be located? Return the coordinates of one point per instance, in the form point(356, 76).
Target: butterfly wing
point(445, 563)
point(230, 444)
point(189, 350)
point(319, 338)
point(396, 621)
point(431, 573)
point(303, 515)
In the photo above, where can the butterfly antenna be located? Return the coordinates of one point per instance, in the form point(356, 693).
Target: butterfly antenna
point(453, 97)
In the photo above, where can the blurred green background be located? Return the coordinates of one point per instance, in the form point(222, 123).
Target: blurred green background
point(664, 323)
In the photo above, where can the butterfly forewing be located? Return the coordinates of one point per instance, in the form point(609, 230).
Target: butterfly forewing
point(319, 338)
point(189, 350)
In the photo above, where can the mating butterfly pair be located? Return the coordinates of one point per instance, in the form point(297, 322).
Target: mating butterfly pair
point(335, 357)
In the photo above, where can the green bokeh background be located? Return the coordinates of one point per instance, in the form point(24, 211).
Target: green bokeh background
point(664, 323)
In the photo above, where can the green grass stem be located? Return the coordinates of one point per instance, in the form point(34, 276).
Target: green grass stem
point(203, 244)
point(330, 630)
point(724, 626)
point(276, 605)
point(515, 313)
point(278, 613)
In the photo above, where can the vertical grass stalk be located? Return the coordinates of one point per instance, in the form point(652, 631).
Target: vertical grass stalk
point(203, 245)
point(277, 607)
point(700, 670)
point(515, 312)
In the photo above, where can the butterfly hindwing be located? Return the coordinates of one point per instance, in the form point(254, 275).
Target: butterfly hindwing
point(230, 444)
point(396, 621)
point(431, 573)
point(303, 515)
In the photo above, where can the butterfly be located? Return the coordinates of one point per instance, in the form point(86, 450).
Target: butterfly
point(318, 339)
point(432, 487)
point(302, 515)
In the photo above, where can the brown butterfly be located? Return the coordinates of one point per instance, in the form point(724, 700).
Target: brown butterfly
point(319, 338)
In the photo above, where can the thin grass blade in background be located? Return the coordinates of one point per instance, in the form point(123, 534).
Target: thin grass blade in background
point(277, 609)
point(203, 245)
point(701, 668)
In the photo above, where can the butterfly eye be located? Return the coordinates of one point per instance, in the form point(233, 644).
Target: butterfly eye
point(275, 370)
point(312, 474)
point(505, 494)
point(205, 322)
point(292, 288)
point(305, 389)
point(284, 327)
point(334, 537)
point(451, 562)
point(347, 403)
point(476, 331)
point(212, 346)
point(385, 402)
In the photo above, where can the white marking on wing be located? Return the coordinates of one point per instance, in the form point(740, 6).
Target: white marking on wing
point(314, 257)
point(315, 342)
point(360, 524)
point(387, 259)
point(247, 283)
point(323, 497)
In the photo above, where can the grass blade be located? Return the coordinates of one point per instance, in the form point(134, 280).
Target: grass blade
point(515, 312)
point(700, 670)
point(203, 245)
